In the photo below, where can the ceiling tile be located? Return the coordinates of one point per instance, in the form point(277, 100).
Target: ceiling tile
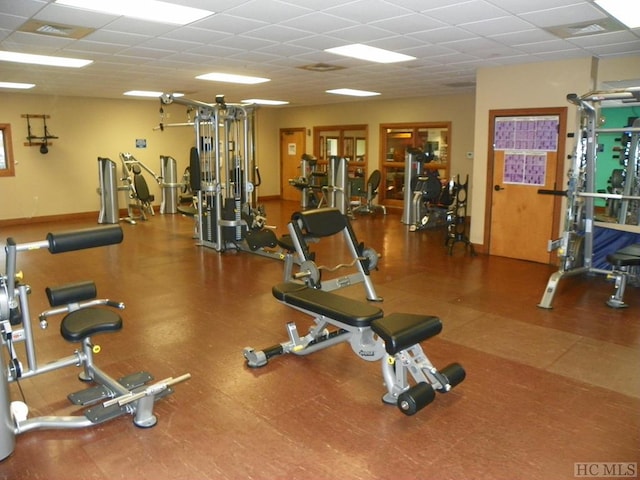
point(583, 12)
point(450, 39)
point(466, 12)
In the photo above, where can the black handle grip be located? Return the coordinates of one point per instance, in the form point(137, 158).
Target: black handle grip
point(559, 193)
point(87, 238)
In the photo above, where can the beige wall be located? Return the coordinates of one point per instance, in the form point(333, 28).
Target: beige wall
point(531, 86)
point(65, 180)
point(457, 109)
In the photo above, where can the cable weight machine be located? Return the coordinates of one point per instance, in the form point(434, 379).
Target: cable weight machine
point(224, 176)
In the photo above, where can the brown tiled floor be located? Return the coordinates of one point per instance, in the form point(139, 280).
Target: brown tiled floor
point(544, 388)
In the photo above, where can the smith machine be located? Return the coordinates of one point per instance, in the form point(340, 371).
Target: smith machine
point(576, 246)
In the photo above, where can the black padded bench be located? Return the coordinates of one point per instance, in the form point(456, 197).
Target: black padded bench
point(345, 310)
point(399, 331)
point(392, 339)
point(624, 262)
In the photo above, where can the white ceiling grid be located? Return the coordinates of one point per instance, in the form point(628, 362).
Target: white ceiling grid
point(450, 39)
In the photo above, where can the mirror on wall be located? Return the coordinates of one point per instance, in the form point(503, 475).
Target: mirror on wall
point(6, 151)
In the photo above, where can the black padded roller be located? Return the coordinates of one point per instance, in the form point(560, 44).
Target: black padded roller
point(71, 293)
point(455, 374)
point(81, 239)
point(416, 398)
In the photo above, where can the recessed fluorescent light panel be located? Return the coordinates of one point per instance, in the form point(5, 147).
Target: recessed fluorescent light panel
point(230, 78)
point(151, 10)
point(20, 86)
point(372, 54)
point(624, 11)
point(262, 101)
point(149, 93)
point(43, 60)
point(352, 92)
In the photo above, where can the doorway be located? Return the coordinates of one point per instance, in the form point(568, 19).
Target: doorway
point(292, 146)
point(526, 156)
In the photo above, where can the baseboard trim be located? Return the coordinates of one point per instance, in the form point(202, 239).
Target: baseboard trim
point(49, 218)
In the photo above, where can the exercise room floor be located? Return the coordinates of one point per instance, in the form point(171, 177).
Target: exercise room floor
point(545, 389)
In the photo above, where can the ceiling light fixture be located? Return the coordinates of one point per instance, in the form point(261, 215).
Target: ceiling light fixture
point(43, 60)
point(372, 54)
point(149, 93)
point(230, 78)
point(624, 11)
point(151, 10)
point(21, 86)
point(262, 101)
point(352, 92)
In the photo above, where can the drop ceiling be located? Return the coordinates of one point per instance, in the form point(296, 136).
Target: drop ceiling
point(277, 39)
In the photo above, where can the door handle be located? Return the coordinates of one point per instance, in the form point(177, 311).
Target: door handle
point(497, 188)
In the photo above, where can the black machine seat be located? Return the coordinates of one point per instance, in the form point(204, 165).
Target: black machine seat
point(140, 185)
point(400, 331)
point(625, 257)
point(342, 309)
point(80, 324)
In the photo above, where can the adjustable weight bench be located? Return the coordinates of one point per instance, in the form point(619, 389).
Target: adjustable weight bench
point(393, 339)
point(626, 265)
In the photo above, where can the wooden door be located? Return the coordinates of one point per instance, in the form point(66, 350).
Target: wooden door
point(292, 146)
point(526, 156)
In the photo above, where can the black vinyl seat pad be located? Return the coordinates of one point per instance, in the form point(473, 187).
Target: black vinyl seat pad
point(345, 310)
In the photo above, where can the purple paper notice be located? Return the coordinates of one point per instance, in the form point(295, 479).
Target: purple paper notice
point(525, 168)
point(526, 133)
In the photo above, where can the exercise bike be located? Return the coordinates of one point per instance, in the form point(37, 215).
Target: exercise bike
point(84, 317)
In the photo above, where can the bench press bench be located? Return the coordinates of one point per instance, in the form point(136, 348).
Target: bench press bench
point(393, 339)
point(626, 265)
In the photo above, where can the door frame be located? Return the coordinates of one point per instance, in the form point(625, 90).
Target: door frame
point(281, 132)
point(561, 112)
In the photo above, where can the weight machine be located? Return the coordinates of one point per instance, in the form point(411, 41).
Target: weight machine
point(85, 317)
point(310, 182)
point(224, 176)
point(414, 169)
point(139, 198)
point(324, 189)
point(576, 245)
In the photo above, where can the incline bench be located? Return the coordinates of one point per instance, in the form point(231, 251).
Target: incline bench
point(626, 264)
point(393, 339)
